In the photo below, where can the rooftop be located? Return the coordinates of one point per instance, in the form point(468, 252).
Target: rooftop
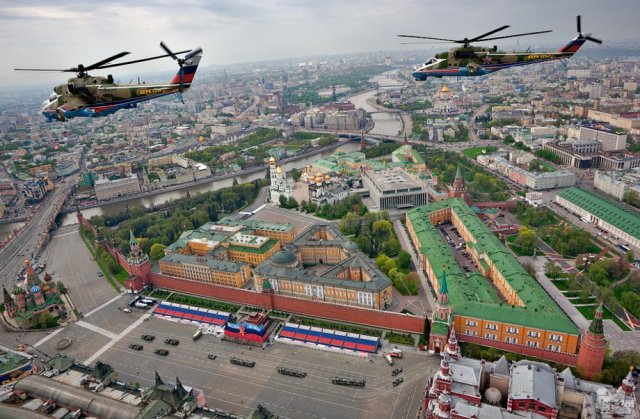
point(216, 264)
point(613, 213)
point(393, 180)
point(472, 295)
point(254, 249)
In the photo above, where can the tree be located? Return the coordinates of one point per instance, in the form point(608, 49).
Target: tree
point(552, 270)
point(157, 251)
point(527, 238)
point(292, 203)
point(404, 260)
point(282, 200)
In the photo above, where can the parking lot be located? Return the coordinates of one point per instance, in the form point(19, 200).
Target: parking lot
point(239, 389)
point(452, 238)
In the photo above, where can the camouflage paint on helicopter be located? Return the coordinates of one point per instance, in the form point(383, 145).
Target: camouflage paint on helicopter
point(90, 96)
point(477, 61)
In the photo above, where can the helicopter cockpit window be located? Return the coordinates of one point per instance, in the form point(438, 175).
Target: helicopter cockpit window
point(430, 61)
point(53, 97)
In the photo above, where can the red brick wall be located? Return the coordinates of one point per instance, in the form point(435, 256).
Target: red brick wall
point(375, 318)
point(560, 358)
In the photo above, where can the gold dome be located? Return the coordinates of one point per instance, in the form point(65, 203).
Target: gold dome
point(272, 160)
point(278, 170)
point(319, 174)
point(319, 179)
point(445, 89)
point(327, 177)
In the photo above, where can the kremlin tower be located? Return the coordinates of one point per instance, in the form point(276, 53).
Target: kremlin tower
point(593, 347)
point(458, 189)
point(139, 264)
point(440, 321)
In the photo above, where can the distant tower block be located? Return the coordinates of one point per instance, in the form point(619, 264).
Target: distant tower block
point(593, 347)
point(363, 143)
point(406, 141)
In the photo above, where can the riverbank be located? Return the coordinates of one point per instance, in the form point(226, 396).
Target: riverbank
point(204, 181)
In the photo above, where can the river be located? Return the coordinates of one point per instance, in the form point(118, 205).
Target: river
point(148, 201)
point(385, 123)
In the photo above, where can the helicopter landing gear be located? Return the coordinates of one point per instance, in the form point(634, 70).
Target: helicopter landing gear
point(60, 115)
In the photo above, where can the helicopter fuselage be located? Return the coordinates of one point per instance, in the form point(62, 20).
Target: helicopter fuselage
point(478, 61)
point(99, 96)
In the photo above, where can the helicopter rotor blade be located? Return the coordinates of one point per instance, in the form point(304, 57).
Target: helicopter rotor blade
point(157, 57)
point(169, 52)
point(422, 43)
point(428, 37)
point(516, 35)
point(590, 38)
point(43, 69)
point(106, 60)
point(192, 53)
point(478, 38)
point(579, 23)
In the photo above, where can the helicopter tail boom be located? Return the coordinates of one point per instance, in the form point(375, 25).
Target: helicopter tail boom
point(573, 46)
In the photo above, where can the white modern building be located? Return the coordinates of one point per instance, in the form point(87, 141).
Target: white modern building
point(108, 189)
point(395, 188)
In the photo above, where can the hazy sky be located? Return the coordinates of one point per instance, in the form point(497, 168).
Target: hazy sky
point(64, 33)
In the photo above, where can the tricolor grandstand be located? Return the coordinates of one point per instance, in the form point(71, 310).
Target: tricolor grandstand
point(192, 314)
point(329, 338)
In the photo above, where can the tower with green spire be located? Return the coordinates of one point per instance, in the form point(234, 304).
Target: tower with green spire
point(441, 315)
point(593, 347)
point(458, 190)
point(139, 266)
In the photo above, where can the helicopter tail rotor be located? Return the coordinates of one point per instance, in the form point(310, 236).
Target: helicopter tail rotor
point(588, 36)
point(188, 65)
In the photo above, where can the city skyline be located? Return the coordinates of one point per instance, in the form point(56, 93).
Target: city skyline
point(36, 34)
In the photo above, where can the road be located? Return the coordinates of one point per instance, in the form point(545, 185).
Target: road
point(27, 242)
point(473, 133)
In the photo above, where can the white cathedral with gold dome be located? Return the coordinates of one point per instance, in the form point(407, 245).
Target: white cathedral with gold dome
point(443, 102)
point(281, 185)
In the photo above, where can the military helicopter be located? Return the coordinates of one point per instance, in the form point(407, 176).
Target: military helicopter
point(478, 61)
point(94, 96)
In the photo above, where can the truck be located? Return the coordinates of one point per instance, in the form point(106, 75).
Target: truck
point(292, 372)
point(342, 381)
point(388, 358)
point(197, 335)
point(242, 362)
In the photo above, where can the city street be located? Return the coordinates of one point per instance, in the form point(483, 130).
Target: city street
point(26, 243)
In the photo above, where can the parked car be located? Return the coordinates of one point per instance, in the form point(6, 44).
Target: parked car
point(173, 342)
point(147, 337)
point(136, 347)
point(162, 352)
point(212, 356)
point(126, 310)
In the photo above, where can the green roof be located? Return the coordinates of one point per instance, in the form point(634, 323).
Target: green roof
point(613, 213)
point(259, 250)
point(216, 264)
point(473, 295)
